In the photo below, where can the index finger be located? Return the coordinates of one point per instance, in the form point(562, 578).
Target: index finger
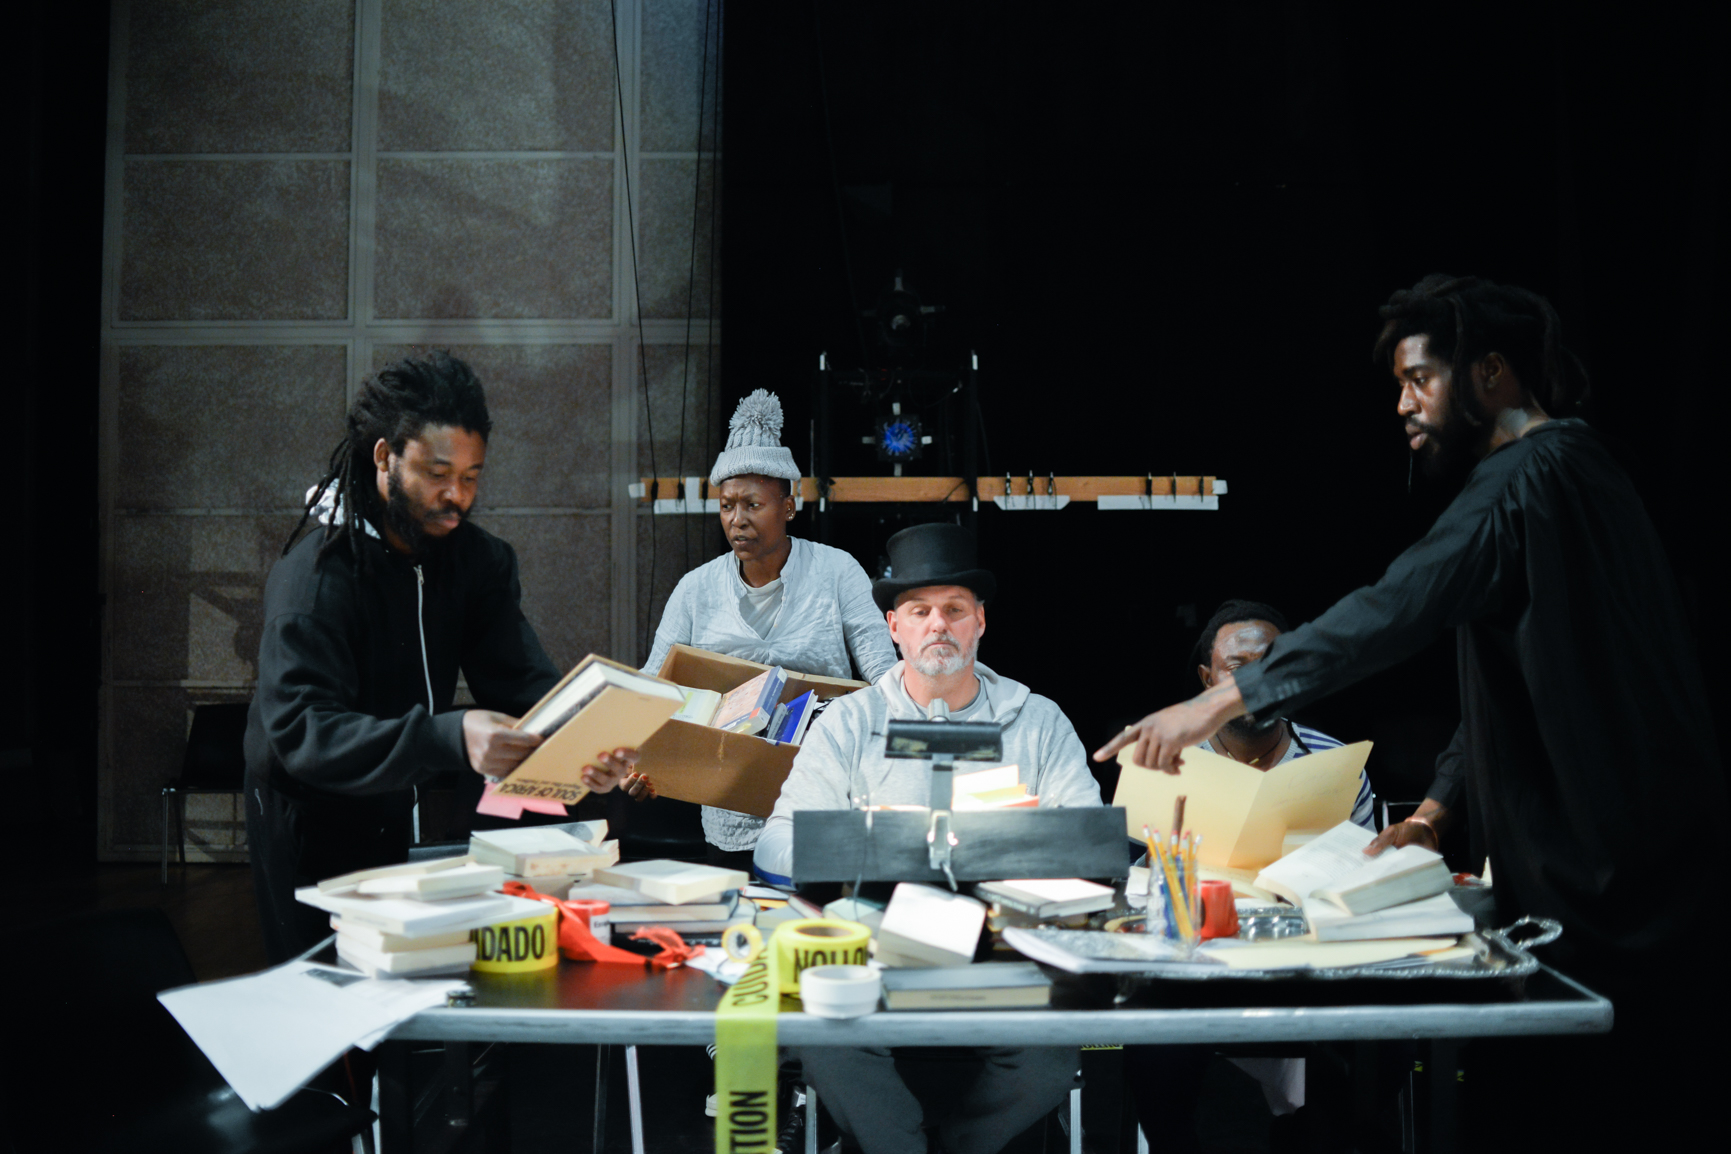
point(1117, 743)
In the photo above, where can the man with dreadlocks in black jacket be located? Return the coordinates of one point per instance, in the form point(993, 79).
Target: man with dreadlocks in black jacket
point(366, 624)
point(1585, 734)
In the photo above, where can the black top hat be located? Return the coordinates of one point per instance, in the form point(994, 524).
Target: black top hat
point(937, 554)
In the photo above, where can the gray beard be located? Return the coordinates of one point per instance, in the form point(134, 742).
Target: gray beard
point(931, 665)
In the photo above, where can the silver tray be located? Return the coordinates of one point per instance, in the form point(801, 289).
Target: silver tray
point(1499, 955)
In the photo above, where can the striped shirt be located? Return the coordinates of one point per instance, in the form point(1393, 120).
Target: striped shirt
point(1315, 741)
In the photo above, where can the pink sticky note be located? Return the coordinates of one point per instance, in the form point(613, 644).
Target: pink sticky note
point(512, 808)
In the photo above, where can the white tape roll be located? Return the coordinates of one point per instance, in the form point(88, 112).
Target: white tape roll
point(839, 991)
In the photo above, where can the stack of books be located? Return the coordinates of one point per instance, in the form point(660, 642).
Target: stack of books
point(1347, 897)
point(693, 899)
point(547, 858)
point(415, 919)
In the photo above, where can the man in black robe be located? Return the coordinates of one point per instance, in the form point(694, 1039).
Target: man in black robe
point(1585, 730)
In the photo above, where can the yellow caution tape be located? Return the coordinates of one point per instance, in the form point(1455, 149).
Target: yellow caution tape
point(745, 1062)
point(817, 942)
point(518, 947)
point(742, 942)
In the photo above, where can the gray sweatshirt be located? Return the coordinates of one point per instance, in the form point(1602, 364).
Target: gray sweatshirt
point(827, 625)
point(842, 764)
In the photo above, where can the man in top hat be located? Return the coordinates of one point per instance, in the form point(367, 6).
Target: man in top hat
point(935, 605)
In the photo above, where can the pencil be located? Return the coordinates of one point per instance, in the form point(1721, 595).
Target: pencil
point(1175, 900)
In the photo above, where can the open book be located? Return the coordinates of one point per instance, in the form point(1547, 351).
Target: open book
point(599, 706)
point(1333, 868)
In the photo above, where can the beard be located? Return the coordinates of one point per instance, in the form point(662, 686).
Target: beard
point(409, 520)
point(1447, 455)
point(954, 660)
point(1243, 729)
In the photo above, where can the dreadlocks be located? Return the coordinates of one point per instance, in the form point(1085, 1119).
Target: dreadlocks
point(394, 405)
point(1467, 318)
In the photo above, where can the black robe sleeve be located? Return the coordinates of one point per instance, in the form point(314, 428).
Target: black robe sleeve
point(1461, 570)
point(1448, 787)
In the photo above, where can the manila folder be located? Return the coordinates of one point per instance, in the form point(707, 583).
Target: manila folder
point(1242, 812)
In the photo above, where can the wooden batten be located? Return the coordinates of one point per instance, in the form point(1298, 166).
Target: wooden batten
point(926, 490)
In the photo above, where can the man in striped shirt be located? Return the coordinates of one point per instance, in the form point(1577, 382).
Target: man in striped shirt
point(1238, 634)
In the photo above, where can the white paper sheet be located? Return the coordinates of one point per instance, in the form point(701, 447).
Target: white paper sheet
point(267, 1034)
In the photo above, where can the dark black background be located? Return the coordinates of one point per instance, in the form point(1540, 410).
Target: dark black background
point(1166, 234)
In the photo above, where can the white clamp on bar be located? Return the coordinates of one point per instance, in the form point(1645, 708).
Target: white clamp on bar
point(1174, 500)
point(693, 501)
point(1030, 498)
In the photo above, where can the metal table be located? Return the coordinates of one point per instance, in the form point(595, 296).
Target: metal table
point(613, 1004)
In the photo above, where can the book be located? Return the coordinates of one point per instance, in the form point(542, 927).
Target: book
point(675, 882)
point(1322, 862)
point(746, 708)
point(540, 851)
point(700, 706)
point(377, 963)
point(466, 880)
point(1427, 917)
point(683, 929)
point(923, 926)
point(1242, 813)
point(600, 705)
point(798, 718)
point(410, 918)
point(347, 883)
point(996, 788)
point(1042, 898)
point(1392, 878)
point(395, 943)
point(1307, 954)
point(986, 986)
point(676, 915)
point(584, 686)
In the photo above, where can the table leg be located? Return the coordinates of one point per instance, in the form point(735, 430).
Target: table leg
point(603, 1054)
point(396, 1099)
point(1444, 1096)
point(635, 1093)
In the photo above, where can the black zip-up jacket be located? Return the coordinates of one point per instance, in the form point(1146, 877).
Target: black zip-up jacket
point(357, 671)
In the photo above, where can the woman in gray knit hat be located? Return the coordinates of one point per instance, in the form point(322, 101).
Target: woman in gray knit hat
point(771, 598)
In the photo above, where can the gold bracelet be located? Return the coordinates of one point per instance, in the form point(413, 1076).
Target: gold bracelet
point(1428, 824)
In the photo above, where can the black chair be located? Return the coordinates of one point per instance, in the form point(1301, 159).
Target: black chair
point(214, 762)
point(107, 1068)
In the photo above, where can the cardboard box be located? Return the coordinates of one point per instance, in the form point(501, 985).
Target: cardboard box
point(741, 772)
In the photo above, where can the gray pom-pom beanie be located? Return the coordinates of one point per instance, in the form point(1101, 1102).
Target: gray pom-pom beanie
point(754, 442)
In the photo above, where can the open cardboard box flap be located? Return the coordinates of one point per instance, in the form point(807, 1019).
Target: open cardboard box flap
point(736, 771)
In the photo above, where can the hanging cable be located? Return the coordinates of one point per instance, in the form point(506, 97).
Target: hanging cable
point(637, 289)
point(714, 226)
point(691, 270)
